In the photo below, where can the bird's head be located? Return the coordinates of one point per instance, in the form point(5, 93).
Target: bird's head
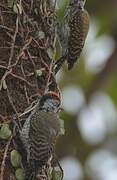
point(79, 3)
point(50, 102)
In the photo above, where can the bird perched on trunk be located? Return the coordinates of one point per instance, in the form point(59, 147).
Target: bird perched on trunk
point(72, 33)
point(39, 134)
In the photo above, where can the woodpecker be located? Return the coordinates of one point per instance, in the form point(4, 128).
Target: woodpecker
point(74, 30)
point(40, 132)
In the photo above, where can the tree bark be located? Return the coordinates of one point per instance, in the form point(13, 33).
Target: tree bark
point(27, 32)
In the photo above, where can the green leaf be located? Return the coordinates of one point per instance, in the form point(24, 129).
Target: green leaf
point(5, 132)
point(15, 159)
point(58, 48)
point(57, 174)
point(19, 174)
point(62, 5)
point(50, 53)
point(62, 129)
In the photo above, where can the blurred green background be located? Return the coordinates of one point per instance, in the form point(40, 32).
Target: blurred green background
point(88, 150)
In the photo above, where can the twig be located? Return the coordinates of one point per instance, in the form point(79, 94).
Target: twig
point(25, 88)
point(11, 36)
point(3, 67)
point(3, 78)
point(22, 79)
point(13, 106)
point(43, 62)
point(6, 28)
point(22, 50)
point(39, 46)
point(4, 159)
point(31, 7)
point(49, 76)
point(13, 43)
point(2, 20)
point(29, 109)
point(30, 57)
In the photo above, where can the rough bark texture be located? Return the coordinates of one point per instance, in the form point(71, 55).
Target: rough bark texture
point(26, 34)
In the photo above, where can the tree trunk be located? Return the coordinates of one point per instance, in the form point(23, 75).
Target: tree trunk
point(27, 33)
